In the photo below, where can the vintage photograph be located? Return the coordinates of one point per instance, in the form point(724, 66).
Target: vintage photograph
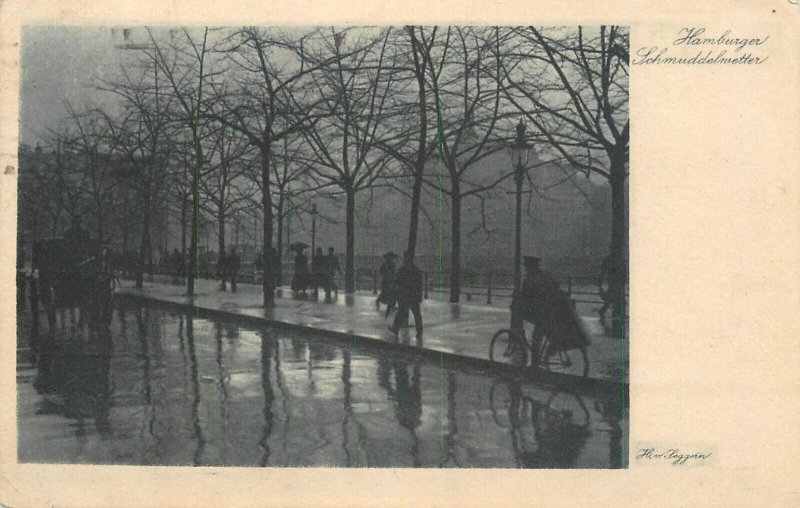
point(348, 246)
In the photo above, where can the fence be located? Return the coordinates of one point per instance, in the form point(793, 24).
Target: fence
point(491, 288)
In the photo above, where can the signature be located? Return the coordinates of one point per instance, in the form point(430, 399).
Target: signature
point(674, 455)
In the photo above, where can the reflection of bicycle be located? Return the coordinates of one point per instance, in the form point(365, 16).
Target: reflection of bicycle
point(510, 346)
point(546, 430)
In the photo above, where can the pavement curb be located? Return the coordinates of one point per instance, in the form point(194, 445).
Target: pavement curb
point(564, 381)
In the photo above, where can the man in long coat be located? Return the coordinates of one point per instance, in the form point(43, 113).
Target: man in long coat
point(550, 310)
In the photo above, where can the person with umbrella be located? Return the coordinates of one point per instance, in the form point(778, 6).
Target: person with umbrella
point(300, 279)
point(388, 293)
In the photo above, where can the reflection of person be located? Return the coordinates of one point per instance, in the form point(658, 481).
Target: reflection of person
point(409, 295)
point(408, 404)
point(388, 293)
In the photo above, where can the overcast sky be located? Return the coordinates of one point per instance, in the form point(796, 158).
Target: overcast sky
point(58, 64)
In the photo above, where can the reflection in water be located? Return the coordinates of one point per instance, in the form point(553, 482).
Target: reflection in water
point(195, 378)
point(189, 391)
point(408, 403)
point(451, 432)
point(269, 397)
point(221, 376)
point(142, 323)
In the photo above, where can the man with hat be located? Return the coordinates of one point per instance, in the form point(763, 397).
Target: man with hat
point(544, 304)
point(409, 295)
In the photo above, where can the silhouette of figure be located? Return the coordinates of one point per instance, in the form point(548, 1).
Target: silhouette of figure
point(544, 304)
point(300, 281)
point(388, 294)
point(409, 295)
point(331, 269)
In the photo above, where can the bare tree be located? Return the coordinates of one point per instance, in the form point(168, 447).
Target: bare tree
point(467, 102)
point(90, 143)
point(225, 168)
point(572, 85)
point(184, 68)
point(265, 97)
point(354, 89)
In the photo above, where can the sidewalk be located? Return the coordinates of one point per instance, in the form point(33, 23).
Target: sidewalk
point(451, 330)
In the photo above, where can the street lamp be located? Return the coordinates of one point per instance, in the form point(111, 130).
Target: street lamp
point(313, 227)
point(520, 152)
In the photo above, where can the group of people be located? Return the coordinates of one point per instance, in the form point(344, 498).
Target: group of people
point(324, 269)
point(401, 287)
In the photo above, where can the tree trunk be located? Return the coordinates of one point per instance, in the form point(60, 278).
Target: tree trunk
point(269, 250)
point(279, 253)
point(125, 234)
point(221, 247)
point(194, 263)
point(419, 168)
point(350, 259)
point(144, 248)
point(455, 252)
point(183, 227)
point(100, 221)
point(416, 197)
point(618, 277)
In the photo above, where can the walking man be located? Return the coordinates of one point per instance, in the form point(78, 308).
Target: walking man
point(409, 295)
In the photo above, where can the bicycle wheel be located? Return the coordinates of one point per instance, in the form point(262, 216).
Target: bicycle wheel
point(574, 362)
point(506, 347)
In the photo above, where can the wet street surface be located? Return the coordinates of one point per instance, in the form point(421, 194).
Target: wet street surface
point(166, 388)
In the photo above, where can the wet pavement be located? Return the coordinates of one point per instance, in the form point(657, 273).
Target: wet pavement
point(164, 387)
point(460, 330)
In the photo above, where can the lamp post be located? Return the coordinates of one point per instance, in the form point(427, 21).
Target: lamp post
point(520, 152)
point(519, 156)
point(313, 228)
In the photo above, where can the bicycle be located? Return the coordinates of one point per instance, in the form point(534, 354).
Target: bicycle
point(511, 344)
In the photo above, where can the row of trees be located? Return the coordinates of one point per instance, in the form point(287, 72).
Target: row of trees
point(206, 122)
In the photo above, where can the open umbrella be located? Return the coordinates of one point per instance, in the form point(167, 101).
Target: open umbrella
point(299, 246)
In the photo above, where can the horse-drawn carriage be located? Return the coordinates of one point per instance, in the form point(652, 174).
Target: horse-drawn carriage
point(72, 276)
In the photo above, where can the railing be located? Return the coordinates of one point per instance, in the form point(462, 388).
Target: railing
point(489, 288)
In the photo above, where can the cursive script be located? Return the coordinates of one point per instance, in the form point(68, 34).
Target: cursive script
point(696, 37)
point(673, 455)
point(723, 48)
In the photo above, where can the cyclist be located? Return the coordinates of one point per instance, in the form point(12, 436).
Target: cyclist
point(544, 304)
